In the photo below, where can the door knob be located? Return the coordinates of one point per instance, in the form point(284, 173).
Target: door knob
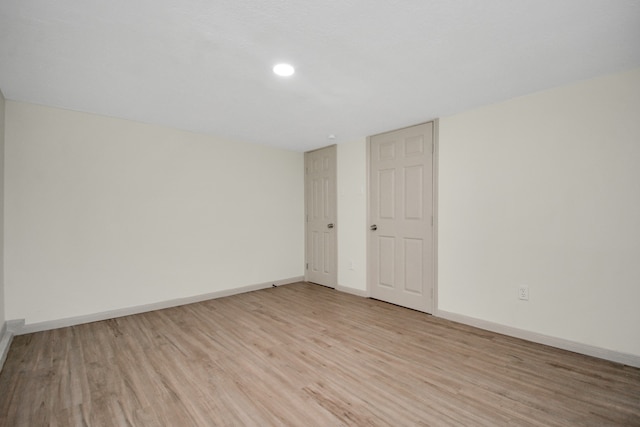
point(330, 225)
point(373, 227)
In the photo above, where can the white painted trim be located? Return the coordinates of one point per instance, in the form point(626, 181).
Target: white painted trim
point(435, 173)
point(20, 328)
point(357, 292)
point(14, 326)
point(576, 347)
point(369, 264)
point(6, 336)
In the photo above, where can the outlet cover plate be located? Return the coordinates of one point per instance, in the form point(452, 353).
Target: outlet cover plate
point(523, 293)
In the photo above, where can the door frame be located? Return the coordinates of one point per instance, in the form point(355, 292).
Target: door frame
point(434, 183)
point(335, 213)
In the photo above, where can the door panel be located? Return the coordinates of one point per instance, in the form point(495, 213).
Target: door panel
point(386, 193)
point(413, 202)
point(401, 208)
point(321, 212)
point(387, 248)
point(413, 255)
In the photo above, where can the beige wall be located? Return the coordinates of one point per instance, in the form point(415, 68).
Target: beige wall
point(103, 214)
point(352, 215)
point(544, 191)
point(3, 317)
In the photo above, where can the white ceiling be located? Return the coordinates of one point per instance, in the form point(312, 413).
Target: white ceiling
point(362, 66)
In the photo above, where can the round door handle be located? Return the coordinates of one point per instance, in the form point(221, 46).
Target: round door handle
point(330, 225)
point(373, 227)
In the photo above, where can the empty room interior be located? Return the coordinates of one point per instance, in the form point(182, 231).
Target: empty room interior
point(320, 213)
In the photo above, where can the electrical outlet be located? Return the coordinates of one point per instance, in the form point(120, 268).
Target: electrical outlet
point(523, 293)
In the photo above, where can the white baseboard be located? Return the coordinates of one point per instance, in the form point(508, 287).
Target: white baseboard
point(352, 291)
point(18, 327)
point(6, 336)
point(576, 347)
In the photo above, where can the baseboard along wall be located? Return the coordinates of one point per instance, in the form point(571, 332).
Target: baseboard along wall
point(352, 291)
point(576, 347)
point(6, 336)
point(18, 326)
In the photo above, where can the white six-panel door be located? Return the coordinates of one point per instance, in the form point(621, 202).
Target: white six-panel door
point(400, 253)
point(321, 212)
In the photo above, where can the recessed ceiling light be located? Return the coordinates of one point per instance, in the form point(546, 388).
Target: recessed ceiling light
point(284, 70)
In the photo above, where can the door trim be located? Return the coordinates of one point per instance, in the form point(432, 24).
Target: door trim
point(434, 183)
point(334, 277)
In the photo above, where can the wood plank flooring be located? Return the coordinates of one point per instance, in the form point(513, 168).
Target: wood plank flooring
point(304, 355)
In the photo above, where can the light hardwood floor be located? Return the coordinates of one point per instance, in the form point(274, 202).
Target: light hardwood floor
point(303, 355)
